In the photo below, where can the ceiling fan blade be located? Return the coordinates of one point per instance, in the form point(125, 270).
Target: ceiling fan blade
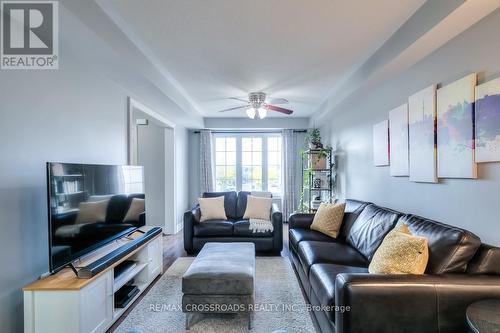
point(235, 108)
point(239, 99)
point(278, 109)
point(278, 101)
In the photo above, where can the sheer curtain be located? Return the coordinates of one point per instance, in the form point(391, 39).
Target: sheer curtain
point(290, 155)
point(206, 165)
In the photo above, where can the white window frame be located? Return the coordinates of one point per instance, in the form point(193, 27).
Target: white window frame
point(239, 166)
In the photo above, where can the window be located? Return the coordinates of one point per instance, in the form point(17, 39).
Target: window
point(246, 162)
point(130, 179)
point(251, 163)
point(225, 164)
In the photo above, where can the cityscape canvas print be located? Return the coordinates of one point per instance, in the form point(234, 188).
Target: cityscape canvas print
point(455, 129)
point(381, 143)
point(398, 139)
point(488, 121)
point(422, 116)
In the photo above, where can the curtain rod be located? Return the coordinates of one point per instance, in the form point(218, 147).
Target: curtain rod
point(250, 132)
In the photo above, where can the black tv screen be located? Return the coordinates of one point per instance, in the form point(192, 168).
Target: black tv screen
point(90, 206)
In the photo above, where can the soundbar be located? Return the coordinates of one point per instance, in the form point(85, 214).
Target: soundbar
point(101, 264)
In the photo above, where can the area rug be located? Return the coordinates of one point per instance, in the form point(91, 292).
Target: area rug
point(279, 304)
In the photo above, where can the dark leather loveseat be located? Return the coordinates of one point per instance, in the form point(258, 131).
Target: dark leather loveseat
point(334, 274)
point(80, 236)
point(234, 229)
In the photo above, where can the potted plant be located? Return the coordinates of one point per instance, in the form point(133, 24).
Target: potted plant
point(319, 158)
point(313, 139)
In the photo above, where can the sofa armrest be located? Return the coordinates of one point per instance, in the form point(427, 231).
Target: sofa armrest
point(191, 217)
point(409, 303)
point(300, 220)
point(277, 219)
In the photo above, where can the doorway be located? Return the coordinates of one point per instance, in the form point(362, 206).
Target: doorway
point(152, 145)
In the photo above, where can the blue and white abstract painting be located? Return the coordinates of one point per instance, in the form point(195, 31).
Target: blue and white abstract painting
point(488, 121)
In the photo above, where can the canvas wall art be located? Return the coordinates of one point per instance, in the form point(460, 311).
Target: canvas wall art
point(488, 121)
point(398, 139)
point(421, 119)
point(381, 143)
point(455, 129)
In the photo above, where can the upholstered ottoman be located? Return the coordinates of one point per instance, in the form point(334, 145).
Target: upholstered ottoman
point(220, 280)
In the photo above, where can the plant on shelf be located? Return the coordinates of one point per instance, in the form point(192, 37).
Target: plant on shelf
point(316, 158)
point(313, 139)
point(319, 158)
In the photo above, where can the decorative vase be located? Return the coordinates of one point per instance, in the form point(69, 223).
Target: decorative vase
point(317, 183)
point(318, 145)
point(316, 203)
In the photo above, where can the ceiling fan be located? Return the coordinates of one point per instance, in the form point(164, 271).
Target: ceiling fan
point(257, 106)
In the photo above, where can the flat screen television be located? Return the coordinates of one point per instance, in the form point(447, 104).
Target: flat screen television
point(91, 205)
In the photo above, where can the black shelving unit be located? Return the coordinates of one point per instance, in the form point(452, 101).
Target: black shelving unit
point(68, 189)
point(321, 177)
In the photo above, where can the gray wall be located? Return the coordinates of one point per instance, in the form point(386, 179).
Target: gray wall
point(247, 123)
point(471, 204)
point(75, 114)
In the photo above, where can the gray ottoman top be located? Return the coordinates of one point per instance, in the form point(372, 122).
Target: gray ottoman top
point(221, 269)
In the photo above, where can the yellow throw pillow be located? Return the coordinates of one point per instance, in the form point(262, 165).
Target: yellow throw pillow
point(328, 219)
point(212, 209)
point(400, 253)
point(258, 208)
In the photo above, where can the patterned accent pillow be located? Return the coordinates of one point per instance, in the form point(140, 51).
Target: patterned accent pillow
point(400, 253)
point(328, 219)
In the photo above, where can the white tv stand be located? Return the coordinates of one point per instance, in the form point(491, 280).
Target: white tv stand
point(64, 303)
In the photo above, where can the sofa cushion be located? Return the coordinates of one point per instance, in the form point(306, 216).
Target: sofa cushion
point(241, 228)
point(352, 210)
point(241, 204)
point(117, 208)
point(298, 235)
point(313, 252)
point(370, 228)
point(230, 199)
point(322, 278)
point(485, 261)
point(450, 248)
point(213, 228)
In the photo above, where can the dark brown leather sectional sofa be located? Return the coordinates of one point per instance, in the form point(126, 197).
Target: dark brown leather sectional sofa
point(334, 274)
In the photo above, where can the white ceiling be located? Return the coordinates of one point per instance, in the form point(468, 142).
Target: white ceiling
point(295, 49)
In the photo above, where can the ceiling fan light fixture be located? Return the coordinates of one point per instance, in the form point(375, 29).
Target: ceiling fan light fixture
point(251, 113)
point(262, 113)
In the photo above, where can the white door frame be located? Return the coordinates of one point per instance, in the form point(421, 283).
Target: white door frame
point(132, 105)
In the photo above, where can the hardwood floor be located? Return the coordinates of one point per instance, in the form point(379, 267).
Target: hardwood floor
point(173, 248)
